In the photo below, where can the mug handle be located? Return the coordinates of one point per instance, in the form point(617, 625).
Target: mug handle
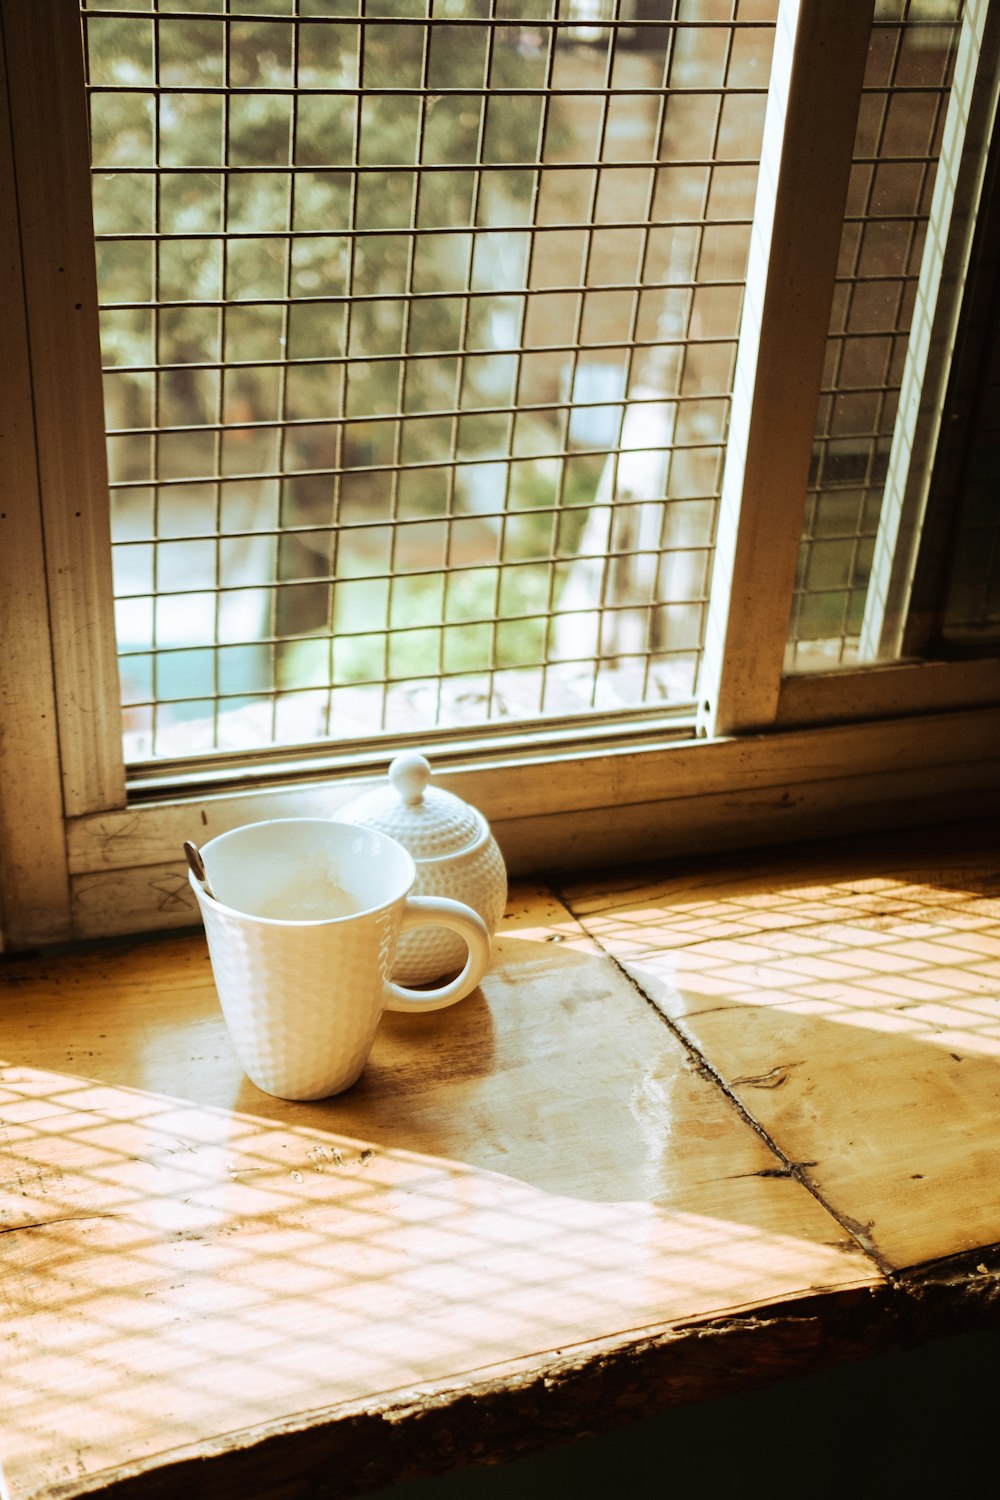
point(419, 911)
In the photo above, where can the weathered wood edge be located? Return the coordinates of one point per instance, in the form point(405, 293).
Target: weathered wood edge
point(350, 1450)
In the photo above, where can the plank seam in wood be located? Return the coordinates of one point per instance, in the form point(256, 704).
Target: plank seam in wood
point(858, 1233)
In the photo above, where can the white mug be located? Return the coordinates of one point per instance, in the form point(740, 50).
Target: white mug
point(302, 917)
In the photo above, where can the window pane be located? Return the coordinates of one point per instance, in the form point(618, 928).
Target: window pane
point(955, 603)
point(907, 86)
point(420, 335)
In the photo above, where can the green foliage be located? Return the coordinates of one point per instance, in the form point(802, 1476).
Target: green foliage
point(353, 223)
point(304, 250)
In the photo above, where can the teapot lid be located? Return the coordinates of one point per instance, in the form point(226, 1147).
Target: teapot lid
point(428, 821)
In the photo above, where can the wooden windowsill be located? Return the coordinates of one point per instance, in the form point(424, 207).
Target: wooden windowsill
point(702, 1127)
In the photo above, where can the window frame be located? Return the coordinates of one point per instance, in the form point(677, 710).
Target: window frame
point(772, 758)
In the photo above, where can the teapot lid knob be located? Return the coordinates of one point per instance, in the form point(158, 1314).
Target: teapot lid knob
point(409, 775)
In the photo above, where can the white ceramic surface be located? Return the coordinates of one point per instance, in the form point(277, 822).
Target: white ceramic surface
point(455, 853)
point(302, 998)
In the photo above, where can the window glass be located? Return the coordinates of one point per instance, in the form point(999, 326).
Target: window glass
point(907, 85)
point(419, 340)
point(955, 605)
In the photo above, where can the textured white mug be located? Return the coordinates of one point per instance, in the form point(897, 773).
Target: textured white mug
point(302, 994)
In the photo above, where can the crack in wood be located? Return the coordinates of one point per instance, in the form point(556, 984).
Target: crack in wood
point(774, 1078)
point(62, 1219)
point(707, 1070)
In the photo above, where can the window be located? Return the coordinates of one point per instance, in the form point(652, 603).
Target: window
point(897, 146)
point(418, 339)
point(555, 385)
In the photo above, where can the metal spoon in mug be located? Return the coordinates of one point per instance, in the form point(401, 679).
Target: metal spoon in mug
point(197, 864)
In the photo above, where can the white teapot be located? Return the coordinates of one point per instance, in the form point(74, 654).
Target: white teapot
point(455, 854)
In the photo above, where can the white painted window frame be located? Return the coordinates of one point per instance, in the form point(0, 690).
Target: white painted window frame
point(775, 758)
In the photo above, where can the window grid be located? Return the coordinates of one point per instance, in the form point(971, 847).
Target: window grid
point(502, 504)
point(870, 325)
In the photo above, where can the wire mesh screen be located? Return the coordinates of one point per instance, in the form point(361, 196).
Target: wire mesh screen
point(907, 83)
point(419, 322)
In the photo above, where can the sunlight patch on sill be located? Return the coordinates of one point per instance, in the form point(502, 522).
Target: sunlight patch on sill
point(883, 955)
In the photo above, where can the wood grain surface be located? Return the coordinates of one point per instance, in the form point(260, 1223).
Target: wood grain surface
point(553, 1207)
point(852, 1006)
point(186, 1260)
